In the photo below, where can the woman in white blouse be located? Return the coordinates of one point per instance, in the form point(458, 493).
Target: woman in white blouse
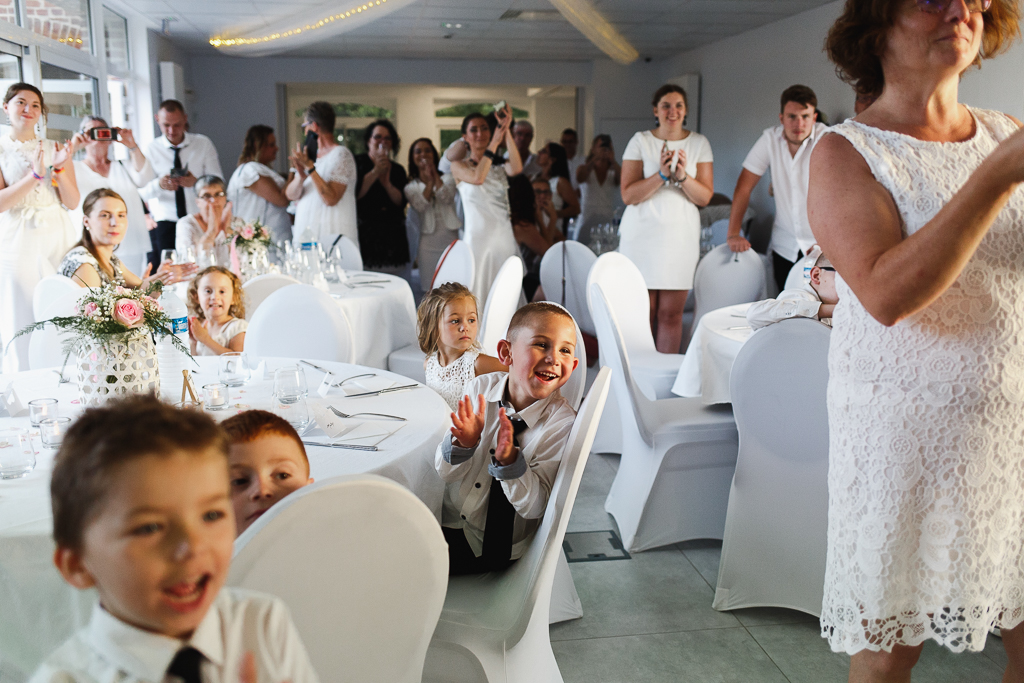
point(208, 233)
point(321, 186)
point(598, 178)
point(432, 196)
point(96, 169)
point(255, 190)
point(667, 173)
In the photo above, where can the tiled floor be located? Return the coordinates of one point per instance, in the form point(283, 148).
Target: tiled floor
point(649, 619)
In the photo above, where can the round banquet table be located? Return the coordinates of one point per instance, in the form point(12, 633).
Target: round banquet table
point(707, 365)
point(38, 611)
point(382, 312)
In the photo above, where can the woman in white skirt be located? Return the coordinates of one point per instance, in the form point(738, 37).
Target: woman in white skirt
point(35, 229)
point(667, 173)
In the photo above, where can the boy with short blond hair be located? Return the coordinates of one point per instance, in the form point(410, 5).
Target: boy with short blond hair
point(267, 461)
point(502, 455)
point(142, 512)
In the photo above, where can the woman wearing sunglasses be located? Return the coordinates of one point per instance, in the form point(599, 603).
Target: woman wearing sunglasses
point(917, 202)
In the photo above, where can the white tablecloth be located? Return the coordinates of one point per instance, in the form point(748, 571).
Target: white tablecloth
point(38, 611)
point(706, 368)
point(382, 315)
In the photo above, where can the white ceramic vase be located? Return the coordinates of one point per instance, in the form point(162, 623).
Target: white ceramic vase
point(117, 369)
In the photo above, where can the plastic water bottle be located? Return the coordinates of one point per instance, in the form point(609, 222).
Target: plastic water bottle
point(172, 361)
point(307, 241)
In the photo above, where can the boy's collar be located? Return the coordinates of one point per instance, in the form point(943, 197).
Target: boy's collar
point(530, 414)
point(146, 655)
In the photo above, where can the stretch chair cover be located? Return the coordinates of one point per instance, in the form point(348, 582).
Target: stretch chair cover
point(300, 321)
point(494, 627)
point(502, 304)
point(456, 265)
point(45, 346)
point(50, 289)
point(350, 257)
point(364, 590)
point(260, 287)
point(572, 261)
point(678, 455)
point(773, 553)
point(408, 362)
point(725, 278)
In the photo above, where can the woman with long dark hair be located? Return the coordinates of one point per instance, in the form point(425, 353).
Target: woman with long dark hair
point(554, 169)
point(431, 195)
point(255, 190)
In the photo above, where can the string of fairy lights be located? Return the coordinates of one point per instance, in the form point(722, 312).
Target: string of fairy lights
point(340, 16)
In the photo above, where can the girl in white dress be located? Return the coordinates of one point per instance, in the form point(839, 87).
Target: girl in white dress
point(447, 328)
point(666, 174)
point(598, 177)
point(431, 195)
point(483, 186)
point(325, 187)
point(919, 205)
point(255, 190)
point(217, 303)
point(36, 177)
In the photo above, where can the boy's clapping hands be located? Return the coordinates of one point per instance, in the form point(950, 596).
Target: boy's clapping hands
point(468, 425)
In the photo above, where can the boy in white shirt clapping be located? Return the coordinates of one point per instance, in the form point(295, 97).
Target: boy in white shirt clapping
point(142, 513)
point(506, 441)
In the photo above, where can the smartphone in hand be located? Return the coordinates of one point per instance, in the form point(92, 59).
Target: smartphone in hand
point(311, 145)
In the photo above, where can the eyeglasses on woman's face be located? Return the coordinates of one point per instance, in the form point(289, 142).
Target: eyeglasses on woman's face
point(211, 196)
point(940, 6)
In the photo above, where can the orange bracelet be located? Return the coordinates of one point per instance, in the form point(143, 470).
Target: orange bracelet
point(58, 170)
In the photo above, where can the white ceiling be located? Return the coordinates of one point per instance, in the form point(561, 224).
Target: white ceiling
point(657, 28)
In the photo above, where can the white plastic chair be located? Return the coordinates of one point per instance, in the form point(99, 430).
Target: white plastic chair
point(678, 455)
point(724, 278)
point(572, 261)
point(50, 289)
point(45, 345)
point(364, 590)
point(455, 265)
point(348, 253)
point(494, 627)
point(260, 287)
point(502, 304)
point(773, 553)
point(300, 321)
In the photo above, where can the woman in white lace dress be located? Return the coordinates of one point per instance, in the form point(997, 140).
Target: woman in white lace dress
point(36, 178)
point(917, 202)
point(324, 187)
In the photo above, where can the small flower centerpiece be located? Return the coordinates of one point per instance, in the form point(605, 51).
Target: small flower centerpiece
point(250, 250)
point(112, 338)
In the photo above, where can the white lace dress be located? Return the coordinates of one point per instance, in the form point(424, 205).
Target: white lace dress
point(926, 427)
point(450, 380)
point(327, 222)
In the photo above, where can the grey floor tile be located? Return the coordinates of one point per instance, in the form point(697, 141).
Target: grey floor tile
point(588, 511)
point(717, 656)
point(612, 459)
point(770, 616)
point(939, 665)
point(995, 651)
point(705, 555)
point(657, 591)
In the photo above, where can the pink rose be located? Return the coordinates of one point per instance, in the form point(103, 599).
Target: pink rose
point(248, 232)
point(129, 312)
point(90, 309)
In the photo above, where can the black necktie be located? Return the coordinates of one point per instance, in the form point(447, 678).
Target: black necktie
point(501, 516)
point(179, 194)
point(185, 665)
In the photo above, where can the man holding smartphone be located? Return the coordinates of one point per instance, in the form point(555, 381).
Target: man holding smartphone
point(178, 159)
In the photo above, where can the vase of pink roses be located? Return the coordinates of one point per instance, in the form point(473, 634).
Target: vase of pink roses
point(250, 250)
point(112, 339)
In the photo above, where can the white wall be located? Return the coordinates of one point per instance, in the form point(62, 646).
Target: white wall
point(742, 78)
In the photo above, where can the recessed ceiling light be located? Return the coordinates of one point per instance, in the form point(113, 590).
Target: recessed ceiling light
point(451, 24)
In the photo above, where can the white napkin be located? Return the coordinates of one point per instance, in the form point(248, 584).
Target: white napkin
point(365, 385)
point(12, 404)
point(367, 432)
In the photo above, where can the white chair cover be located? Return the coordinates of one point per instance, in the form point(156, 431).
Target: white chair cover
point(50, 289)
point(260, 287)
point(455, 265)
point(348, 253)
point(44, 346)
point(494, 627)
point(300, 321)
point(724, 278)
point(773, 553)
point(678, 455)
point(572, 261)
point(364, 590)
point(408, 362)
point(502, 304)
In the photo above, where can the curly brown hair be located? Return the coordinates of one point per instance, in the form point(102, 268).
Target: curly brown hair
point(857, 39)
point(431, 311)
point(237, 309)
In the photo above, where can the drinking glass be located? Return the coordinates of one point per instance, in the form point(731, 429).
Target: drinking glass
point(216, 396)
point(296, 413)
point(290, 384)
point(52, 431)
point(168, 255)
point(42, 409)
point(16, 455)
point(188, 404)
point(233, 368)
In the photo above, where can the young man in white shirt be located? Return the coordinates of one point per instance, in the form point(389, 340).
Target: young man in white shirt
point(786, 150)
point(178, 158)
point(571, 142)
point(815, 298)
point(506, 441)
point(142, 513)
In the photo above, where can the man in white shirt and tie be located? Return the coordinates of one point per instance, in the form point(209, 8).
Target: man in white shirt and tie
point(179, 158)
point(786, 149)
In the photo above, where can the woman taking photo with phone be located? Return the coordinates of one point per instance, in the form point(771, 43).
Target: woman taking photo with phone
point(598, 178)
point(667, 173)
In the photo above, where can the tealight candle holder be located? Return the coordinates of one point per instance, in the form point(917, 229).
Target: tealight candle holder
point(52, 431)
point(215, 396)
point(42, 409)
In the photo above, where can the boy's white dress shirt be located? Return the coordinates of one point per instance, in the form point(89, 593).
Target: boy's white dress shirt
point(527, 481)
point(108, 650)
point(791, 303)
point(198, 155)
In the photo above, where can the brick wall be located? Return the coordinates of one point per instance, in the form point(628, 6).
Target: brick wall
point(50, 18)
